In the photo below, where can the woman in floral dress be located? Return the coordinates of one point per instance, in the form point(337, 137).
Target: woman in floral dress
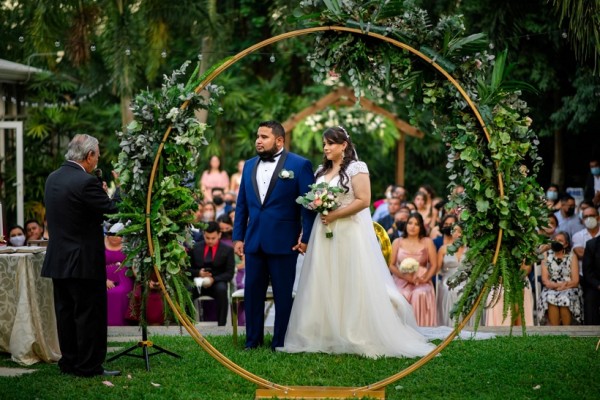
point(561, 296)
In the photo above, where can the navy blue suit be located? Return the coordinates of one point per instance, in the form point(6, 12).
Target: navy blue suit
point(269, 230)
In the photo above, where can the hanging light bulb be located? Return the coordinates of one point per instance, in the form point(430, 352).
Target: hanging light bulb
point(128, 52)
point(93, 47)
point(564, 35)
point(272, 58)
point(199, 57)
point(21, 39)
point(163, 54)
point(57, 44)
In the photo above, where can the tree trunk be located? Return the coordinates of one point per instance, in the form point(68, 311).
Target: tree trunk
point(126, 113)
point(558, 166)
point(202, 115)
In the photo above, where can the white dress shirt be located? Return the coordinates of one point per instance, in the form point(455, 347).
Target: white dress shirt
point(264, 173)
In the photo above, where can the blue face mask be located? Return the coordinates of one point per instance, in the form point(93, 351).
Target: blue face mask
point(595, 170)
point(551, 195)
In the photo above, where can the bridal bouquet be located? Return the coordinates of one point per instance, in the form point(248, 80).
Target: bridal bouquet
point(409, 265)
point(321, 198)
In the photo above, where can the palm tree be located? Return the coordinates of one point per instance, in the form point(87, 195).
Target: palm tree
point(582, 18)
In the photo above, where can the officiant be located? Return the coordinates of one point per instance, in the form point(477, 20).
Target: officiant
point(212, 268)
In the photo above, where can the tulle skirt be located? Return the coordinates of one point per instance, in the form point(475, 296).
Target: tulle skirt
point(346, 300)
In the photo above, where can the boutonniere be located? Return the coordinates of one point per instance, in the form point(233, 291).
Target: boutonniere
point(285, 174)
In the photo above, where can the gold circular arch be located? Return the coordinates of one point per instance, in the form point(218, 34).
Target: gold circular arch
point(270, 389)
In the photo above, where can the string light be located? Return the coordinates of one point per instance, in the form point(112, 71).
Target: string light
point(73, 102)
point(128, 52)
point(93, 47)
point(163, 54)
point(272, 58)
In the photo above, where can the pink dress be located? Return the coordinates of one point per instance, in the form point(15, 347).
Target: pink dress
point(493, 315)
point(422, 296)
point(117, 297)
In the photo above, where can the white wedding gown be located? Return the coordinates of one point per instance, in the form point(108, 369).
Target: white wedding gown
point(346, 300)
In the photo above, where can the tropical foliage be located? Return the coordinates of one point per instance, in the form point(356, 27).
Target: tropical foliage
point(164, 227)
point(502, 200)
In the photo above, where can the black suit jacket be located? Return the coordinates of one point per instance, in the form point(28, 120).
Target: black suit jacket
point(75, 208)
point(223, 264)
point(591, 263)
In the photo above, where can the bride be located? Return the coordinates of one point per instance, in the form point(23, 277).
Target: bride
point(346, 300)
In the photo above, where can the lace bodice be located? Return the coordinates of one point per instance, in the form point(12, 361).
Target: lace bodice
point(354, 168)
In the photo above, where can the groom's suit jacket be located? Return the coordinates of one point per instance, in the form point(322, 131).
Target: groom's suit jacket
point(275, 225)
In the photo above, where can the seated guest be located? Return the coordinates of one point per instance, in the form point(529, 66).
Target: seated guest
point(445, 230)
point(415, 247)
point(34, 230)
point(447, 266)
point(16, 236)
point(118, 284)
point(213, 261)
point(561, 296)
point(393, 205)
point(400, 219)
point(226, 229)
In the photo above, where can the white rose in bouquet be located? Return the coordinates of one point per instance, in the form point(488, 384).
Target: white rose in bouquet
point(409, 265)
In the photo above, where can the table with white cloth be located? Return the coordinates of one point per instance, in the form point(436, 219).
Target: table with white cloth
point(27, 319)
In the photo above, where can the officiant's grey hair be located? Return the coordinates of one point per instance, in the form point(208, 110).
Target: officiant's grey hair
point(80, 146)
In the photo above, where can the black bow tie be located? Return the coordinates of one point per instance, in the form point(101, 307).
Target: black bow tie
point(272, 158)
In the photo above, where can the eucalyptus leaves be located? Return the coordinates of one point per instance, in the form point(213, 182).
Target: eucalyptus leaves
point(174, 194)
point(502, 200)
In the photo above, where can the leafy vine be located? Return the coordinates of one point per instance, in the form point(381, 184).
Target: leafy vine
point(498, 172)
point(175, 194)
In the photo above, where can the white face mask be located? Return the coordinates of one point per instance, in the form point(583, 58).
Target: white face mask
point(18, 240)
point(590, 222)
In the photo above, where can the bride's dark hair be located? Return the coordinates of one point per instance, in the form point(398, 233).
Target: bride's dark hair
point(338, 135)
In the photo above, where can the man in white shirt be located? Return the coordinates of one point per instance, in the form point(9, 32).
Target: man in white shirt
point(592, 230)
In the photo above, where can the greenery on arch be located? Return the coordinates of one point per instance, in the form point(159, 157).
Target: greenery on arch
point(502, 199)
point(175, 193)
point(378, 69)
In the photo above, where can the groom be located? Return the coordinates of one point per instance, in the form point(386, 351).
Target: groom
point(271, 228)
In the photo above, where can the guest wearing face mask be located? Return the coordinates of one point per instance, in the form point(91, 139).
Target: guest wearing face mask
point(400, 219)
point(560, 301)
point(16, 236)
point(592, 186)
point(568, 221)
point(591, 220)
point(219, 202)
point(210, 212)
point(552, 197)
point(446, 224)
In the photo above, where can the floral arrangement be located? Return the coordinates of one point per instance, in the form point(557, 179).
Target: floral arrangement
point(174, 194)
point(321, 198)
point(409, 266)
point(502, 202)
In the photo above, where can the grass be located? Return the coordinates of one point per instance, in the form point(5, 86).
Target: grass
point(532, 367)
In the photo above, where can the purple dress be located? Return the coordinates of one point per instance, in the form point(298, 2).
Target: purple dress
point(118, 297)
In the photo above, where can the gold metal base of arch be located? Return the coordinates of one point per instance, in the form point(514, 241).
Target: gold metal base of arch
point(266, 388)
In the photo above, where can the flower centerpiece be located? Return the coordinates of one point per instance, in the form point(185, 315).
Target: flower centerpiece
point(321, 198)
point(409, 266)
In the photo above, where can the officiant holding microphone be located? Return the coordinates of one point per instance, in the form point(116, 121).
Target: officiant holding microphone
point(75, 260)
point(270, 229)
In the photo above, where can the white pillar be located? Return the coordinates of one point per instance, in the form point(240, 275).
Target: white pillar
point(18, 127)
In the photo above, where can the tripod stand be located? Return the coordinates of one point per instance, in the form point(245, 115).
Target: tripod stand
point(144, 344)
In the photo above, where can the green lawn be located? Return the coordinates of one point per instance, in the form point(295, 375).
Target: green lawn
point(533, 367)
